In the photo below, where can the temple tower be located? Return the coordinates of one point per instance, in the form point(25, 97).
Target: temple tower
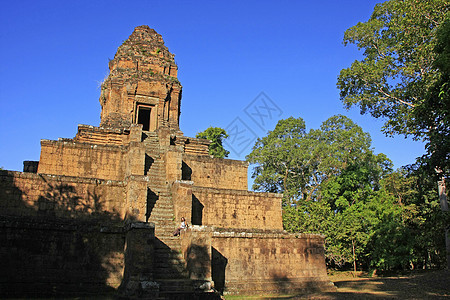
point(142, 86)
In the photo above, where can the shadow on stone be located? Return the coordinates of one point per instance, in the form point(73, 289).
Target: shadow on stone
point(283, 283)
point(60, 244)
point(198, 262)
point(148, 163)
point(152, 198)
point(218, 267)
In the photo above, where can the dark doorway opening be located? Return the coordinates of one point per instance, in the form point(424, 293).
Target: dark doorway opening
point(218, 267)
point(186, 171)
point(197, 211)
point(144, 117)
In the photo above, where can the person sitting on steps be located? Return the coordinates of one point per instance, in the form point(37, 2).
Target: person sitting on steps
point(183, 225)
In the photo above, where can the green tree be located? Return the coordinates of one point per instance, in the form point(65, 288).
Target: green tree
point(294, 162)
point(216, 135)
point(422, 219)
point(397, 69)
point(404, 76)
point(330, 178)
point(433, 114)
point(278, 158)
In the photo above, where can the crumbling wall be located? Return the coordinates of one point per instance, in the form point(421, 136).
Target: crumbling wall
point(206, 171)
point(36, 195)
point(70, 158)
point(82, 160)
point(60, 235)
point(254, 262)
point(195, 146)
point(102, 136)
point(236, 209)
point(48, 258)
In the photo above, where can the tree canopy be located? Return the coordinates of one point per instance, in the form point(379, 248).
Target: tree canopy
point(398, 66)
point(216, 135)
point(334, 184)
point(404, 78)
point(432, 115)
point(295, 162)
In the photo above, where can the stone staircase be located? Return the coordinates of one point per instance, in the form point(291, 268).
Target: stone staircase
point(169, 264)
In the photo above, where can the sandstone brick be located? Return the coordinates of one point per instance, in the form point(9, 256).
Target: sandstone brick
point(63, 226)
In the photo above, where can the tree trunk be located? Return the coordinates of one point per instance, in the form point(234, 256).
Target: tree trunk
point(444, 206)
point(354, 258)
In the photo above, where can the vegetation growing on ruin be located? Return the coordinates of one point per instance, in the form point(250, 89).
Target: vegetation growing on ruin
point(216, 135)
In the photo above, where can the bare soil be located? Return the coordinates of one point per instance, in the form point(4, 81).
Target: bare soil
point(416, 285)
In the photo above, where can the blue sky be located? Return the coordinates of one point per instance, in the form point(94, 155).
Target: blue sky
point(55, 53)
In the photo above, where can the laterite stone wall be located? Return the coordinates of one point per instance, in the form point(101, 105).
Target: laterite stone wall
point(82, 160)
point(254, 262)
point(236, 209)
point(215, 172)
point(38, 195)
point(60, 235)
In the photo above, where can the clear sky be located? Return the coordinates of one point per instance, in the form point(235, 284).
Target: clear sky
point(55, 53)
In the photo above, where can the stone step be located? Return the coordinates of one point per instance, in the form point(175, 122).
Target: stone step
point(163, 224)
point(168, 245)
point(156, 180)
point(158, 169)
point(155, 171)
point(164, 217)
point(162, 234)
point(176, 285)
point(168, 262)
point(163, 203)
point(166, 223)
point(166, 252)
point(168, 273)
point(166, 234)
point(172, 238)
point(164, 227)
point(163, 210)
point(160, 195)
point(169, 239)
point(163, 207)
point(156, 177)
point(173, 246)
point(151, 141)
point(162, 214)
point(155, 187)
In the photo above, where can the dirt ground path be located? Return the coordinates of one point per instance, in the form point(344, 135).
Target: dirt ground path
point(418, 285)
point(425, 285)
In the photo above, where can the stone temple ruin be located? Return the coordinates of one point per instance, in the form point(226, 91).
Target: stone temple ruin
point(97, 213)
